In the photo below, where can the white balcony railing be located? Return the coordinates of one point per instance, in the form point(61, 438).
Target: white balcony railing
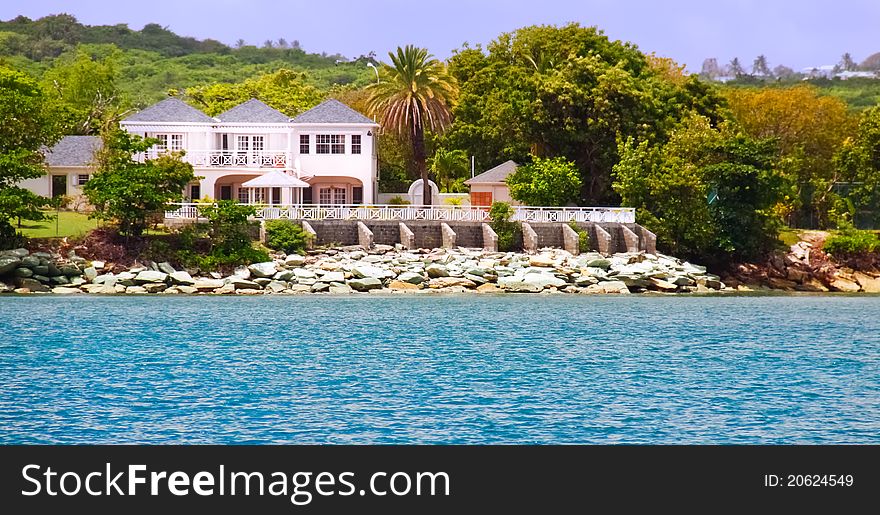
point(190, 211)
point(231, 158)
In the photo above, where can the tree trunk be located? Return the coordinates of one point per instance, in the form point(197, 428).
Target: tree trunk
point(418, 143)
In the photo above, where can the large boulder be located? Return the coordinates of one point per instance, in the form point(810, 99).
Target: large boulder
point(448, 282)
point(166, 267)
point(435, 270)
point(365, 284)
point(869, 284)
point(333, 277)
point(844, 285)
point(8, 264)
point(204, 284)
point(340, 289)
point(23, 272)
point(242, 284)
point(182, 278)
point(150, 276)
point(31, 284)
point(411, 277)
point(398, 285)
point(542, 260)
point(365, 271)
point(30, 261)
point(516, 284)
point(304, 273)
point(155, 287)
point(63, 290)
point(613, 287)
point(295, 260)
point(266, 269)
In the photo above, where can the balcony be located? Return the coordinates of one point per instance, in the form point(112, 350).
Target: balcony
point(231, 158)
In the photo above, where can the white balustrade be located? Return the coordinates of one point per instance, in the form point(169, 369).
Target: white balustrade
point(190, 211)
point(229, 158)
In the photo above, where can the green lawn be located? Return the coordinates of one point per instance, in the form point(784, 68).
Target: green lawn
point(68, 224)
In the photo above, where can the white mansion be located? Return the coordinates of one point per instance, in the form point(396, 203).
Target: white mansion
point(330, 148)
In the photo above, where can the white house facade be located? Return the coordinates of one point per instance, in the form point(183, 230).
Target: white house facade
point(330, 148)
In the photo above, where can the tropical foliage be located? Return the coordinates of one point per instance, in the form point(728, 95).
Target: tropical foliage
point(25, 127)
point(709, 192)
point(286, 236)
point(450, 167)
point(545, 182)
point(127, 191)
point(567, 92)
point(414, 94)
point(808, 128)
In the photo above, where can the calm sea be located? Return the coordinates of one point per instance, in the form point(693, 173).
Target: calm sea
point(440, 369)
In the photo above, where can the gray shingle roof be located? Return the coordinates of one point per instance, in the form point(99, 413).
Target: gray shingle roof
point(253, 111)
point(497, 174)
point(331, 111)
point(170, 110)
point(73, 151)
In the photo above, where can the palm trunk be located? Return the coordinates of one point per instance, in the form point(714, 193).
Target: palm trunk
point(418, 143)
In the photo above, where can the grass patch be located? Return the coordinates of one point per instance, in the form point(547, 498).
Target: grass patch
point(789, 236)
point(68, 223)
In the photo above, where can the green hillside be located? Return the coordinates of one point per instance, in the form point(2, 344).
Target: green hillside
point(154, 60)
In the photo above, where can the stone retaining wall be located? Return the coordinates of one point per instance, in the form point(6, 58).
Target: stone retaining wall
point(470, 234)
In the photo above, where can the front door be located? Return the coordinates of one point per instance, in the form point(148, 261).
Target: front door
point(59, 185)
point(195, 192)
point(225, 192)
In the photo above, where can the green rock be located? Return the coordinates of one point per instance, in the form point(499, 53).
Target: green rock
point(41, 270)
point(435, 270)
point(8, 264)
point(602, 263)
point(30, 261)
point(23, 272)
point(70, 270)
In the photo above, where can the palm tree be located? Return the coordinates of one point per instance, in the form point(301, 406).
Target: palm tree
point(414, 94)
point(449, 166)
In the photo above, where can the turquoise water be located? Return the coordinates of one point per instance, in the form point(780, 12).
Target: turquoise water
point(440, 369)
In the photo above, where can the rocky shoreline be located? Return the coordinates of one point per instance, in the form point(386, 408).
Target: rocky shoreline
point(351, 270)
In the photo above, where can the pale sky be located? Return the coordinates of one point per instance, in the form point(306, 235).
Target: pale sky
point(797, 33)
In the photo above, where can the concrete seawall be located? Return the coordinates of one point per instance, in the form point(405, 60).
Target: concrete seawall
point(604, 237)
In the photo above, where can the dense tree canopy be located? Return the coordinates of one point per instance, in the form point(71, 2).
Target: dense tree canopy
point(809, 128)
point(285, 90)
point(858, 168)
point(567, 91)
point(708, 192)
point(25, 127)
point(83, 91)
point(552, 181)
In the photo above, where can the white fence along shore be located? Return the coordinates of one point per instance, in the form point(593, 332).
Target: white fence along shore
point(190, 211)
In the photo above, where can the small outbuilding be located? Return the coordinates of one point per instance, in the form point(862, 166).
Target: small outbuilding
point(491, 186)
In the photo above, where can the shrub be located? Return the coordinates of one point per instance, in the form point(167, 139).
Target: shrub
point(583, 237)
point(508, 232)
point(286, 236)
point(398, 201)
point(852, 241)
point(454, 201)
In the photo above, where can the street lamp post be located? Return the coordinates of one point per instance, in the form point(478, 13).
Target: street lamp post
point(373, 66)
